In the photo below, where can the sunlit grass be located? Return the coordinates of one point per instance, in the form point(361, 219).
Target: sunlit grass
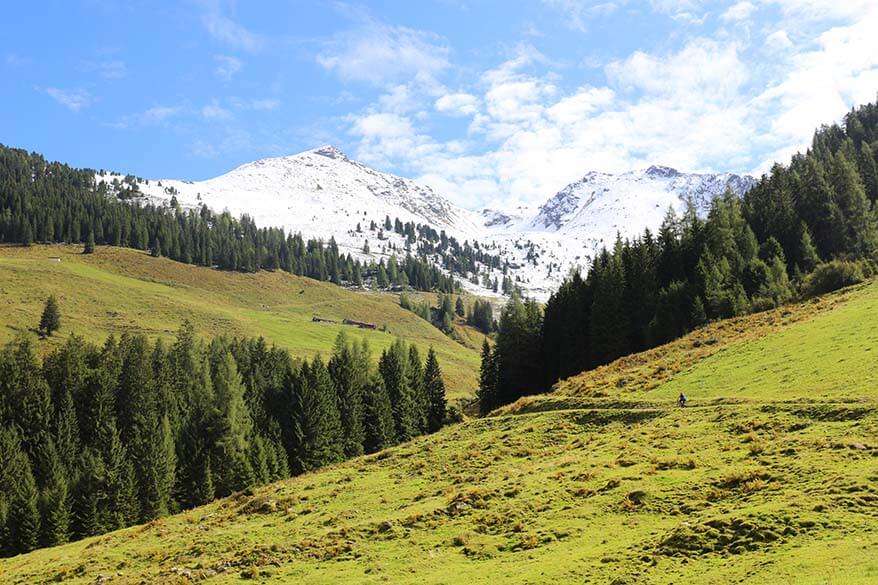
point(119, 290)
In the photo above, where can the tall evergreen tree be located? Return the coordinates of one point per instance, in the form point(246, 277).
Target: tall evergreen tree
point(316, 420)
point(348, 385)
point(392, 367)
point(488, 374)
point(434, 389)
point(233, 426)
point(378, 424)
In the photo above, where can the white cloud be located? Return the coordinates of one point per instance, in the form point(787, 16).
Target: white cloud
point(712, 104)
point(778, 41)
point(822, 83)
point(378, 53)
point(814, 10)
point(683, 11)
point(227, 66)
point(227, 31)
point(457, 104)
point(739, 12)
point(214, 111)
point(703, 68)
point(578, 13)
point(72, 99)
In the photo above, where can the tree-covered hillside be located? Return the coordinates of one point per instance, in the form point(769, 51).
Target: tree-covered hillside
point(93, 439)
point(805, 228)
point(55, 203)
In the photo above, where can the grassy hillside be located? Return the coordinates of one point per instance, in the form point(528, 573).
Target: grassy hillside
point(770, 477)
point(116, 290)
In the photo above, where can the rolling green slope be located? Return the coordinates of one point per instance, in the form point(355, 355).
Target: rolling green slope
point(116, 290)
point(770, 477)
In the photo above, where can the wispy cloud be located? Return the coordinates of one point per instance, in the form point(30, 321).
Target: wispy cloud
point(72, 99)
point(739, 11)
point(379, 53)
point(227, 66)
point(214, 111)
point(457, 104)
point(578, 13)
point(155, 115)
point(226, 30)
point(111, 69)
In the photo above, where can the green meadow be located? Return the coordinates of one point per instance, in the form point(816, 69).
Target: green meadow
point(117, 290)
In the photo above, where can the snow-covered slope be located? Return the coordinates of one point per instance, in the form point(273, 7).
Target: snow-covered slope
point(572, 227)
point(322, 193)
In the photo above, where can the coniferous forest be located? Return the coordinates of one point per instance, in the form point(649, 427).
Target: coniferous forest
point(804, 229)
point(98, 438)
point(47, 202)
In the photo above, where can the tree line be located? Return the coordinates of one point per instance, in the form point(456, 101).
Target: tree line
point(50, 202)
point(804, 228)
point(93, 439)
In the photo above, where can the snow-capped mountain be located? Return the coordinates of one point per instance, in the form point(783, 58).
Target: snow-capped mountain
point(321, 193)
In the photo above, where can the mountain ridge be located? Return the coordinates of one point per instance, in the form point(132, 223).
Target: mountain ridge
point(323, 193)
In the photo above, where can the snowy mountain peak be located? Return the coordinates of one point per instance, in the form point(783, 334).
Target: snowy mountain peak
point(661, 171)
point(321, 193)
point(329, 151)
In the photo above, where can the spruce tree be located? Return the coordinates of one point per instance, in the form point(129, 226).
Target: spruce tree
point(23, 519)
point(415, 381)
point(89, 496)
point(54, 506)
point(349, 391)
point(392, 367)
point(50, 321)
point(230, 463)
point(488, 371)
point(434, 388)
point(316, 423)
point(378, 425)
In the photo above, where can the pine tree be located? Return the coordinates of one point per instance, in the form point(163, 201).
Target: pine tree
point(89, 497)
point(378, 425)
point(230, 463)
point(23, 520)
point(868, 170)
point(392, 367)
point(51, 318)
point(808, 257)
point(349, 391)
point(19, 522)
point(488, 371)
point(315, 419)
point(434, 388)
point(54, 504)
point(415, 381)
point(460, 309)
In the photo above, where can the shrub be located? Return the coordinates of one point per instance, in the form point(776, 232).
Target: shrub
point(832, 276)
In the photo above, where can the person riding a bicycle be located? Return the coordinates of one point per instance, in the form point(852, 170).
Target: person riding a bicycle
point(681, 401)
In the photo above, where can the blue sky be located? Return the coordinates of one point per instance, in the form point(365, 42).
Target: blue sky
point(489, 102)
